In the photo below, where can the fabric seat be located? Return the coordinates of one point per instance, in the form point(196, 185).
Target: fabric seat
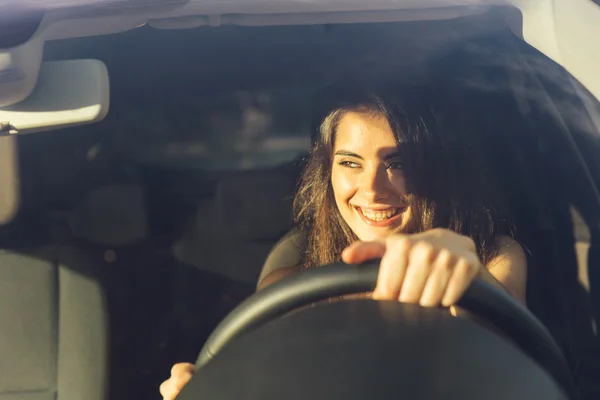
point(224, 248)
point(234, 232)
point(53, 314)
point(53, 325)
point(111, 226)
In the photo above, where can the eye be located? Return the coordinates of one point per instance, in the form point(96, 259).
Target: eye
point(398, 165)
point(349, 164)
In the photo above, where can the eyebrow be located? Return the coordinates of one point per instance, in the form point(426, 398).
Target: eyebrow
point(347, 153)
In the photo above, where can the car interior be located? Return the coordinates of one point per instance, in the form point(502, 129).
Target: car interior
point(126, 241)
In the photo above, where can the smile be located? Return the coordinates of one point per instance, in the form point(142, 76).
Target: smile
point(384, 217)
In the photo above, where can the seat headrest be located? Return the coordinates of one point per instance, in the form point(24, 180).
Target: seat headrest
point(113, 215)
point(250, 205)
point(255, 205)
point(235, 230)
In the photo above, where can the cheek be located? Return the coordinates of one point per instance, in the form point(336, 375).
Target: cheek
point(399, 184)
point(343, 185)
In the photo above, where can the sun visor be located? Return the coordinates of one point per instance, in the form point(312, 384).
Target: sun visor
point(19, 69)
point(67, 93)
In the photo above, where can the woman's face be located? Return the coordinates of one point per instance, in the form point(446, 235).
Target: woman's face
point(367, 176)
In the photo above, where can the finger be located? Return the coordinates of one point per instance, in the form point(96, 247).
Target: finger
point(420, 264)
point(166, 390)
point(438, 280)
point(359, 252)
point(181, 374)
point(181, 380)
point(462, 276)
point(392, 269)
point(182, 368)
point(180, 384)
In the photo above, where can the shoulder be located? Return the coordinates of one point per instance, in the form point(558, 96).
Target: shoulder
point(509, 266)
point(285, 255)
point(276, 275)
point(508, 250)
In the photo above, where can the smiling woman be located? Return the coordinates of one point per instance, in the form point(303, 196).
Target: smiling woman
point(398, 162)
point(398, 175)
point(366, 156)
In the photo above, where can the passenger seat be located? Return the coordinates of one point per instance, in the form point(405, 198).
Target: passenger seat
point(53, 326)
point(234, 232)
point(111, 226)
point(53, 316)
point(222, 252)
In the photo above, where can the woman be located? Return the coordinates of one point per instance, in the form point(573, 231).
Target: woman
point(410, 181)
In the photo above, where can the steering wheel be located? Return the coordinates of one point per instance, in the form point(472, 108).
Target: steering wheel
point(306, 287)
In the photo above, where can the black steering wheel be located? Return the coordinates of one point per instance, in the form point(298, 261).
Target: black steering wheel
point(481, 299)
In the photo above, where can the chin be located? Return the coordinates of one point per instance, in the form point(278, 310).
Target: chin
point(372, 236)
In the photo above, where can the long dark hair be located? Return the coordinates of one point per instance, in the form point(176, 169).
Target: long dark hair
point(450, 179)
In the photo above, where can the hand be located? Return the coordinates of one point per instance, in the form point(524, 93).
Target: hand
point(180, 375)
point(431, 268)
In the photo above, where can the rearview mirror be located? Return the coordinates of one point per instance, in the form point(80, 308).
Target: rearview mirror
point(67, 93)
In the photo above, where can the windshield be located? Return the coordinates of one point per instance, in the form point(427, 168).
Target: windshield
point(183, 190)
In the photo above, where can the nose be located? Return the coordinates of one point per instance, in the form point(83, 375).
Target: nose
point(374, 183)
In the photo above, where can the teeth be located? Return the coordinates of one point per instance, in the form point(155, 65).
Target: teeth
point(379, 215)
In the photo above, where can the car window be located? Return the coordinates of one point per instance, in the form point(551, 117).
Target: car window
point(225, 131)
point(231, 104)
point(205, 123)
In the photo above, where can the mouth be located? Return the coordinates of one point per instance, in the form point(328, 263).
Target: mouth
point(381, 217)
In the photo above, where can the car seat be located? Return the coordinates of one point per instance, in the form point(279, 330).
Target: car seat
point(111, 226)
point(222, 252)
point(234, 232)
point(53, 313)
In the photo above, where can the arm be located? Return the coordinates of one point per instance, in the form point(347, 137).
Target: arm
point(275, 276)
point(435, 267)
point(283, 259)
point(508, 269)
